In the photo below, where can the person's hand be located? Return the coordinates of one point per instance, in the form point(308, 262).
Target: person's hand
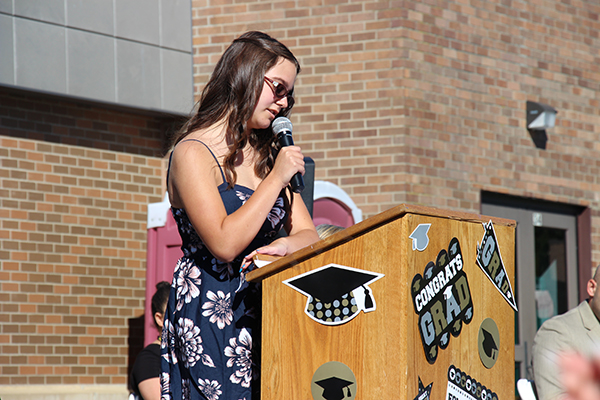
point(277, 248)
point(289, 161)
point(580, 376)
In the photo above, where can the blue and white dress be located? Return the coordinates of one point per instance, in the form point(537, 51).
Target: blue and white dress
point(211, 330)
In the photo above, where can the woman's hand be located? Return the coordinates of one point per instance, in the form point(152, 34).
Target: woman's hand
point(277, 248)
point(289, 161)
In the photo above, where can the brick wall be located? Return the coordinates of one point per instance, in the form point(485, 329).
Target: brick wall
point(76, 180)
point(423, 102)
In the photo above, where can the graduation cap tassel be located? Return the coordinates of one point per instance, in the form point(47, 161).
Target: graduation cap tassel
point(349, 394)
point(368, 299)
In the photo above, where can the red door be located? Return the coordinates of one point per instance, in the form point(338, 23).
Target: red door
point(163, 251)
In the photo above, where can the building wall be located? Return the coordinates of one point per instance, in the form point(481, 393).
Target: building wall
point(76, 181)
point(423, 102)
point(134, 53)
point(398, 102)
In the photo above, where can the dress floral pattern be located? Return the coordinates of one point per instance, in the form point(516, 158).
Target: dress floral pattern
point(207, 349)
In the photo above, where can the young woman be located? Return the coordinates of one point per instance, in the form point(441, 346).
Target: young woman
point(228, 195)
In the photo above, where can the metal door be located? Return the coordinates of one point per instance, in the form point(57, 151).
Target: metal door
point(546, 278)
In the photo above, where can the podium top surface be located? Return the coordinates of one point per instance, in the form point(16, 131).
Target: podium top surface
point(363, 227)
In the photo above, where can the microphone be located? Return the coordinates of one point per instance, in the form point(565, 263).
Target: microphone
point(282, 128)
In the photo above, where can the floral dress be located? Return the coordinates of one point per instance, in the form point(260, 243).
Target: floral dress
point(210, 336)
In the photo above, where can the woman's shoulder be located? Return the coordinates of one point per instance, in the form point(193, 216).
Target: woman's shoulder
point(192, 160)
point(193, 153)
point(211, 139)
point(190, 146)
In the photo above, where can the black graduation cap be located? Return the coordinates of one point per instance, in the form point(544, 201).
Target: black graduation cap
point(329, 289)
point(489, 345)
point(333, 388)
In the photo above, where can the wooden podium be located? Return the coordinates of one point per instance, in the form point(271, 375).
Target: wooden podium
point(438, 306)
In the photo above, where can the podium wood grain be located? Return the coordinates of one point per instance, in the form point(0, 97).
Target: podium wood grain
point(383, 348)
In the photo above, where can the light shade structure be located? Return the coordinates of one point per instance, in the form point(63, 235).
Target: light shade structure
point(540, 116)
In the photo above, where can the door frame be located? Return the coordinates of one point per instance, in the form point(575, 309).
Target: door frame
point(557, 215)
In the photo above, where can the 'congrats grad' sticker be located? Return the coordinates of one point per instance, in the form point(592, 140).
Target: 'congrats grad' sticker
point(442, 299)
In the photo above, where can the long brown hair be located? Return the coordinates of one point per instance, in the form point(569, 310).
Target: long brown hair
point(232, 92)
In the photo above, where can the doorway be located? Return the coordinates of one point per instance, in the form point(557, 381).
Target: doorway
point(547, 277)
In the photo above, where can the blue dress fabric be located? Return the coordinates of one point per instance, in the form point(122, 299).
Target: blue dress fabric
point(210, 340)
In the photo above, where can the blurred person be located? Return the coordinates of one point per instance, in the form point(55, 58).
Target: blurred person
point(576, 331)
point(228, 184)
point(326, 230)
point(145, 375)
point(580, 376)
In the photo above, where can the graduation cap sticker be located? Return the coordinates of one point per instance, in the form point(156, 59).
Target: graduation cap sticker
point(488, 342)
point(333, 381)
point(336, 293)
point(335, 388)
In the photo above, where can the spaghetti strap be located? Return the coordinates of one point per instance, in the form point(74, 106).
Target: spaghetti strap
point(208, 148)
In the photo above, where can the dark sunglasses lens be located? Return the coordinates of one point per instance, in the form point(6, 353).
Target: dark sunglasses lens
point(280, 91)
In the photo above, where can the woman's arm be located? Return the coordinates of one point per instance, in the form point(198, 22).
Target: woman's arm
point(150, 389)
point(301, 233)
point(193, 180)
point(299, 227)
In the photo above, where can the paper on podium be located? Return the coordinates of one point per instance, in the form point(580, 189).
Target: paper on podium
point(260, 260)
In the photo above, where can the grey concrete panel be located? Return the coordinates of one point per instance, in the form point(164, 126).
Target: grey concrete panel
point(91, 15)
point(6, 6)
point(176, 25)
point(91, 61)
point(40, 55)
point(7, 60)
point(138, 74)
point(178, 83)
point(138, 20)
point(46, 10)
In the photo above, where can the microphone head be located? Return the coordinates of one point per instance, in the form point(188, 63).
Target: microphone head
point(281, 124)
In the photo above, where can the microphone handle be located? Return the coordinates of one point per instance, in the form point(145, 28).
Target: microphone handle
point(297, 181)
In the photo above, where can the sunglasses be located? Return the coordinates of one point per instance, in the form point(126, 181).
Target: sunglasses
point(280, 91)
